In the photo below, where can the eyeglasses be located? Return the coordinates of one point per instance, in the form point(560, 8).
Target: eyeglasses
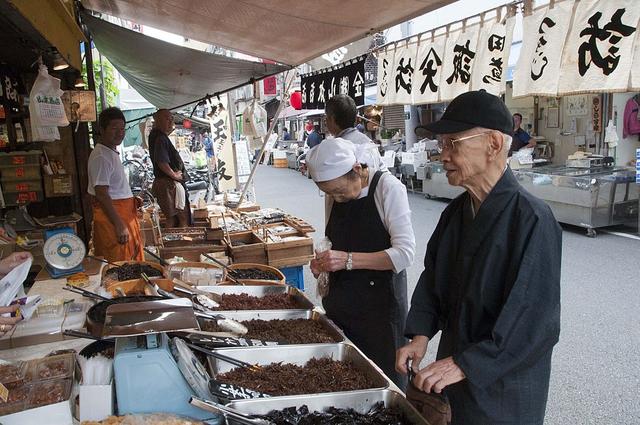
point(450, 144)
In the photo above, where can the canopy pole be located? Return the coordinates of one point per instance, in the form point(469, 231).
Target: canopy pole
point(289, 79)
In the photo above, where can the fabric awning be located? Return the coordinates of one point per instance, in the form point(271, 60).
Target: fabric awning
point(166, 74)
point(287, 31)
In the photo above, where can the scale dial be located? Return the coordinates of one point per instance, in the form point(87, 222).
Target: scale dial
point(64, 251)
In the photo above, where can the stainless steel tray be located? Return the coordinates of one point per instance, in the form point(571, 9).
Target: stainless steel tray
point(261, 291)
point(328, 325)
point(299, 355)
point(361, 401)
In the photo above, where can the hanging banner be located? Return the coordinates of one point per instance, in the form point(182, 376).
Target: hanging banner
point(402, 75)
point(385, 63)
point(538, 68)
point(492, 57)
point(222, 145)
point(428, 75)
point(459, 57)
point(598, 52)
point(348, 78)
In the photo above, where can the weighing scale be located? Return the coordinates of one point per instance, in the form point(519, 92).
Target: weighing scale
point(154, 374)
point(63, 252)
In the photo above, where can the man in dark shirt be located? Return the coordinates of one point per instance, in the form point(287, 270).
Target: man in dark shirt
point(285, 134)
point(521, 138)
point(169, 186)
point(314, 137)
point(491, 282)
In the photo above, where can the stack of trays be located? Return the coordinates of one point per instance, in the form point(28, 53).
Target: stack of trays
point(291, 372)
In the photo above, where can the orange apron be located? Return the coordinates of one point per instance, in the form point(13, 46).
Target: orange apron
point(105, 240)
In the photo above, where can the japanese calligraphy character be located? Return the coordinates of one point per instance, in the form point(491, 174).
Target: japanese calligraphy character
point(334, 88)
point(222, 170)
point(429, 68)
point(312, 93)
point(321, 98)
point(358, 84)
point(613, 32)
point(304, 93)
point(540, 60)
point(496, 71)
point(462, 63)
point(384, 84)
point(496, 42)
point(344, 85)
point(402, 70)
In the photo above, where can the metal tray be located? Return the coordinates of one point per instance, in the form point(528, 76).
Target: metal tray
point(361, 401)
point(299, 355)
point(261, 291)
point(328, 325)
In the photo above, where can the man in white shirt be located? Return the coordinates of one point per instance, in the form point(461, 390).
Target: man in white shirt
point(116, 231)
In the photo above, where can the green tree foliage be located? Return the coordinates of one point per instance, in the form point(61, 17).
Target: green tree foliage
point(110, 87)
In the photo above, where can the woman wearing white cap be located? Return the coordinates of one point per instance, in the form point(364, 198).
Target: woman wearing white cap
point(371, 234)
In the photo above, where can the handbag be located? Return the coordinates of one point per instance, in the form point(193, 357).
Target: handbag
point(433, 407)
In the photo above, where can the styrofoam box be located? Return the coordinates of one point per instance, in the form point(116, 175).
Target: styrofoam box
point(52, 414)
point(96, 402)
point(278, 154)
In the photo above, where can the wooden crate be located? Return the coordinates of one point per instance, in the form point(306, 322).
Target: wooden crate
point(253, 250)
point(291, 251)
point(280, 163)
point(189, 236)
point(190, 253)
point(299, 224)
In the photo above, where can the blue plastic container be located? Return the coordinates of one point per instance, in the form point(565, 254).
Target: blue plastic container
point(294, 276)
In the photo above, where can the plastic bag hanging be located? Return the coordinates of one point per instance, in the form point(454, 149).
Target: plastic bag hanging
point(323, 278)
point(46, 109)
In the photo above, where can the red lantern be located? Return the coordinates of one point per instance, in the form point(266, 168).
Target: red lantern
point(186, 124)
point(309, 127)
point(296, 100)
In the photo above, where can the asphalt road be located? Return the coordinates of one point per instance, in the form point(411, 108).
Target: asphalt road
point(595, 376)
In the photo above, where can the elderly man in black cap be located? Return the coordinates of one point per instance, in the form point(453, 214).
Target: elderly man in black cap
point(491, 282)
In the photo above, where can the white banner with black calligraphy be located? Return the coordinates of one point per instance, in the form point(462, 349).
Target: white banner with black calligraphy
point(492, 57)
point(538, 69)
point(598, 53)
point(634, 81)
point(459, 57)
point(428, 74)
point(385, 63)
point(403, 69)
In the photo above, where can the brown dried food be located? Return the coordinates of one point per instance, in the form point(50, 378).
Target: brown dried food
point(292, 331)
point(249, 302)
point(254, 274)
point(49, 392)
point(53, 369)
point(12, 374)
point(17, 394)
point(131, 271)
point(316, 376)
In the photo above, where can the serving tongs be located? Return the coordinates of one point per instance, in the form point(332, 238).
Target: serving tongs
point(225, 323)
point(231, 360)
point(241, 417)
point(85, 293)
point(230, 272)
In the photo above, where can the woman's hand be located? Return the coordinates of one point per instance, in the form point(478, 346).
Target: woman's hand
point(8, 323)
point(331, 261)
point(12, 261)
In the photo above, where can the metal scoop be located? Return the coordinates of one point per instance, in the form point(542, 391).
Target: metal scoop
point(241, 417)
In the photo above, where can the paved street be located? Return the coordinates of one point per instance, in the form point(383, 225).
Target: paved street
point(596, 365)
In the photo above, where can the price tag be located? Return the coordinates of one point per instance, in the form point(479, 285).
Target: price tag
point(233, 392)
point(19, 160)
point(20, 172)
point(4, 393)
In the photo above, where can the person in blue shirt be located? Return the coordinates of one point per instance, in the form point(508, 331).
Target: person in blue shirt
point(285, 134)
point(314, 138)
point(208, 144)
point(521, 138)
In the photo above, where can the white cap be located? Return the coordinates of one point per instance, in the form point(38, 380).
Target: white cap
point(332, 158)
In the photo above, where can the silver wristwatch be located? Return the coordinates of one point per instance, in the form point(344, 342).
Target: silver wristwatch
point(349, 264)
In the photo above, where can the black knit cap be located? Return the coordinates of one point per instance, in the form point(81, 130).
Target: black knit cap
point(469, 110)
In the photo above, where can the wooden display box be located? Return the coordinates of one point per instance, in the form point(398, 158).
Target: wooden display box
point(291, 251)
point(191, 252)
point(280, 163)
point(252, 250)
point(297, 223)
point(190, 236)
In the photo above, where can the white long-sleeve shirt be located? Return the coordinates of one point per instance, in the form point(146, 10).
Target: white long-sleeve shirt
point(392, 204)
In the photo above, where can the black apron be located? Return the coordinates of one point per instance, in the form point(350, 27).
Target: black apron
point(362, 302)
